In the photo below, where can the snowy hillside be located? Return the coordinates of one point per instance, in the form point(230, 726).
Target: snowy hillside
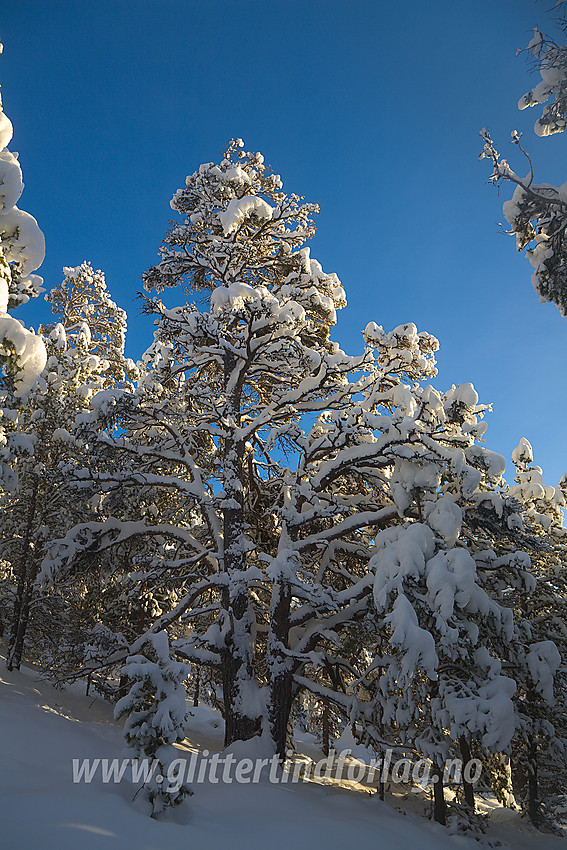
point(41, 808)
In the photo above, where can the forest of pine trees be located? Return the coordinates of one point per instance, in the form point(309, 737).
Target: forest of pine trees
point(254, 514)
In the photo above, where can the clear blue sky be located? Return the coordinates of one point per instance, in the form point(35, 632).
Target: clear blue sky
point(370, 108)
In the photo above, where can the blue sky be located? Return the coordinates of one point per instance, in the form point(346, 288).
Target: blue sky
point(371, 109)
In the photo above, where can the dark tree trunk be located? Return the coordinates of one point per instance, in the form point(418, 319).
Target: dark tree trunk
point(281, 698)
point(468, 789)
point(533, 788)
point(197, 688)
point(524, 769)
point(239, 725)
point(519, 778)
point(280, 673)
point(325, 728)
point(27, 573)
point(439, 805)
point(123, 686)
point(237, 661)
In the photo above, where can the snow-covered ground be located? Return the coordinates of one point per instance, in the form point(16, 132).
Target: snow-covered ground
point(43, 729)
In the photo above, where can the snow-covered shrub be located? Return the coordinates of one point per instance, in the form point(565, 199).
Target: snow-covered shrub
point(155, 715)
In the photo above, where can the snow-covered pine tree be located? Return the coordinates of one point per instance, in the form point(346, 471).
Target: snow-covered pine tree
point(516, 538)
point(22, 353)
point(537, 212)
point(537, 216)
point(276, 466)
point(539, 755)
point(434, 681)
point(85, 355)
point(83, 300)
point(155, 715)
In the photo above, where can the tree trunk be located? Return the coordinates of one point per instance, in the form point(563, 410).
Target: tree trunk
point(382, 783)
point(325, 728)
point(281, 698)
point(242, 719)
point(519, 777)
point(27, 573)
point(439, 805)
point(279, 665)
point(238, 677)
point(468, 789)
point(123, 687)
point(533, 789)
point(197, 688)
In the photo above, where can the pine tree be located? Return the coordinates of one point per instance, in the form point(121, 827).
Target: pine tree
point(540, 751)
point(517, 538)
point(22, 353)
point(537, 212)
point(156, 715)
point(537, 216)
point(257, 469)
point(82, 301)
point(42, 505)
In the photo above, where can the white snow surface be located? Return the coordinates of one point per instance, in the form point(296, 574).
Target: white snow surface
point(543, 660)
point(11, 183)
point(240, 208)
point(235, 296)
point(22, 240)
point(4, 295)
point(42, 809)
point(6, 130)
point(523, 453)
point(21, 243)
point(29, 348)
point(446, 518)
